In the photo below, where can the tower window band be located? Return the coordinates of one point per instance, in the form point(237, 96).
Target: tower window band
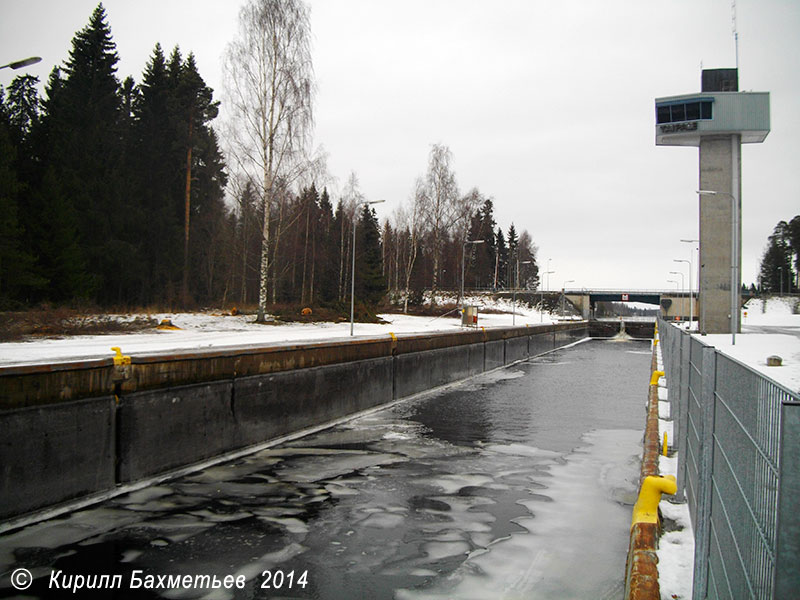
point(692, 110)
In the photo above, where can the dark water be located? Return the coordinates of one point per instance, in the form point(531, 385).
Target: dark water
point(496, 488)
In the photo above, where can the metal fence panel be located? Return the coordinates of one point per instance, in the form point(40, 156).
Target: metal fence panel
point(741, 472)
point(694, 420)
point(787, 570)
point(745, 478)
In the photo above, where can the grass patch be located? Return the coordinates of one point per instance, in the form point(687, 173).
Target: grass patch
point(50, 322)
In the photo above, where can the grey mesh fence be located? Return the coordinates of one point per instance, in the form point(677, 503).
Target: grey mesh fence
point(738, 433)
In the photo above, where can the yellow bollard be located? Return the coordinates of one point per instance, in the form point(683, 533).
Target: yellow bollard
point(655, 377)
point(119, 358)
point(646, 508)
point(664, 451)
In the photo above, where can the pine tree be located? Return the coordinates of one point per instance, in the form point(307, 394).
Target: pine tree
point(18, 273)
point(370, 283)
point(326, 255)
point(60, 256)
point(16, 266)
point(84, 147)
point(210, 234)
point(776, 273)
point(513, 257)
point(195, 108)
point(22, 107)
point(483, 229)
point(158, 174)
point(793, 239)
point(501, 260)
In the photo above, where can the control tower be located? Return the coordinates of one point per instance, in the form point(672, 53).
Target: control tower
point(718, 120)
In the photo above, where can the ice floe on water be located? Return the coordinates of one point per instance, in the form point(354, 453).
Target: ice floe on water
point(575, 520)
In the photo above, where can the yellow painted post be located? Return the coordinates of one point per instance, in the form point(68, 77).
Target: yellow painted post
point(119, 358)
point(664, 451)
point(122, 369)
point(655, 377)
point(646, 508)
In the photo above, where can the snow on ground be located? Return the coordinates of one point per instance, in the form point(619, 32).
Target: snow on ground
point(769, 327)
point(779, 311)
point(206, 330)
point(753, 349)
point(676, 545)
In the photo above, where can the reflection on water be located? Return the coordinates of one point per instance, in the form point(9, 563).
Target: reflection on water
point(492, 489)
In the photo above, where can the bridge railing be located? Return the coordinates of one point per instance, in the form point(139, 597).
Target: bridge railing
point(738, 439)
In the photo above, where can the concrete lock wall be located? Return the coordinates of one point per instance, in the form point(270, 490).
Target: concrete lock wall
point(54, 453)
point(171, 411)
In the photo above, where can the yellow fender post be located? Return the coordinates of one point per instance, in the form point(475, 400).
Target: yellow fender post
point(119, 358)
point(655, 377)
point(646, 508)
point(121, 371)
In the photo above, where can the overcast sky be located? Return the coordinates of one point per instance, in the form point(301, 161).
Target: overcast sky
point(547, 107)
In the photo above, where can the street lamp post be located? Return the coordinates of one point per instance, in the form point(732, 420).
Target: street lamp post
point(691, 315)
point(463, 253)
point(514, 300)
point(675, 281)
point(691, 282)
point(683, 281)
point(353, 273)
point(682, 288)
point(25, 62)
point(734, 259)
point(541, 291)
point(691, 312)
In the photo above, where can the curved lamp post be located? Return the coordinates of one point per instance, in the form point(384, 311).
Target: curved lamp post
point(25, 62)
point(541, 293)
point(734, 259)
point(353, 273)
point(514, 301)
point(691, 282)
point(691, 312)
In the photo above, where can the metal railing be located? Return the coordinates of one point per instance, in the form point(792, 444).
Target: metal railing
point(738, 438)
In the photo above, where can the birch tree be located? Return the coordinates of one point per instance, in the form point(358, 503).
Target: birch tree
point(351, 197)
point(269, 81)
point(466, 207)
point(440, 202)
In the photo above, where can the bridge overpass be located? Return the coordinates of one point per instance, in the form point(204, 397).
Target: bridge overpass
point(673, 303)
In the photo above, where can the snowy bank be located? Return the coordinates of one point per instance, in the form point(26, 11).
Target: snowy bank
point(206, 330)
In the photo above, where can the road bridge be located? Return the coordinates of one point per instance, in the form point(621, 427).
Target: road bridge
point(673, 303)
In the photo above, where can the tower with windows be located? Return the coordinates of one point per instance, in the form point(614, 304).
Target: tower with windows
point(718, 120)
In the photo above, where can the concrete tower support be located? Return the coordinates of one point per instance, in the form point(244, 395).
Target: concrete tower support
point(720, 170)
point(718, 120)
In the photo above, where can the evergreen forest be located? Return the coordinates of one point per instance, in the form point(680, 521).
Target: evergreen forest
point(780, 263)
point(119, 194)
